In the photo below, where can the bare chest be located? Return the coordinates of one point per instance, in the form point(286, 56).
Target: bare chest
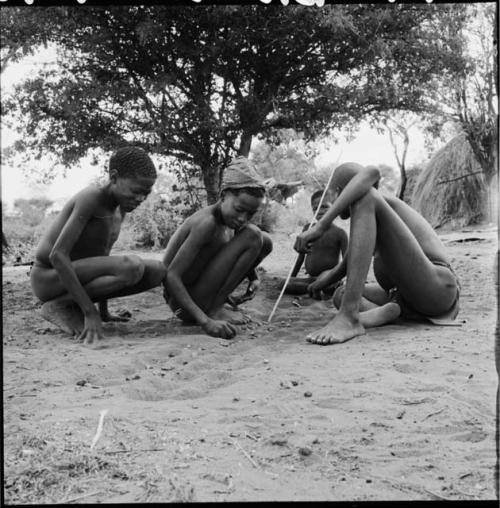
point(98, 236)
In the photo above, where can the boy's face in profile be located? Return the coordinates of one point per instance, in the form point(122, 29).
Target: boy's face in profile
point(130, 192)
point(238, 209)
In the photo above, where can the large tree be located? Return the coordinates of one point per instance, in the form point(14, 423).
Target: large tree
point(200, 82)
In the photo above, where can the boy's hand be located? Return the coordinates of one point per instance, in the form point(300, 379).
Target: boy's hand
point(322, 281)
point(315, 291)
point(304, 241)
point(221, 329)
point(92, 329)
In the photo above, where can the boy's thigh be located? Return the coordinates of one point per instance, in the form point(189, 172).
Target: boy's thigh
point(247, 243)
point(154, 271)
point(298, 285)
point(376, 294)
point(47, 284)
point(402, 259)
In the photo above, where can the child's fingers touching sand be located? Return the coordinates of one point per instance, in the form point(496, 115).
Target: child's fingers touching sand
point(92, 331)
point(218, 328)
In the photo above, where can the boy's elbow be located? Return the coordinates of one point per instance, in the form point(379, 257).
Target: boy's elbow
point(374, 174)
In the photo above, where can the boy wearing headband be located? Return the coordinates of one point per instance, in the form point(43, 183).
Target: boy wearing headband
point(214, 250)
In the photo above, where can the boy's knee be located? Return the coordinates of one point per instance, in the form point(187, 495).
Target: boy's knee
point(267, 244)
point(131, 269)
point(365, 202)
point(337, 296)
point(253, 236)
point(159, 272)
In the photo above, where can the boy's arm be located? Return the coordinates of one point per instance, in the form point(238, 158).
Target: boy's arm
point(298, 264)
point(300, 258)
point(353, 184)
point(343, 243)
point(59, 257)
point(328, 277)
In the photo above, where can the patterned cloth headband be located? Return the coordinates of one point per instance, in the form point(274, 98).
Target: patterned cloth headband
point(241, 173)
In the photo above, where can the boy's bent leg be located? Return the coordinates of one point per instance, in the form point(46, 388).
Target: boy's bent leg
point(380, 315)
point(99, 276)
point(427, 288)
point(297, 285)
point(225, 271)
point(373, 296)
point(346, 324)
point(153, 275)
point(107, 273)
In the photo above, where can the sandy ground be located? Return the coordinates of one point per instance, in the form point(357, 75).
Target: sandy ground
point(404, 413)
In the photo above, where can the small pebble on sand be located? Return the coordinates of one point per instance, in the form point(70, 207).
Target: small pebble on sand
point(307, 394)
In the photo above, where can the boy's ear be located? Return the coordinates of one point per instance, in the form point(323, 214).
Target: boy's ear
point(113, 175)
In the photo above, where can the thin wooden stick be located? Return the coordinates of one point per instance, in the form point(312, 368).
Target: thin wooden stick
point(254, 464)
point(99, 428)
point(80, 497)
point(291, 269)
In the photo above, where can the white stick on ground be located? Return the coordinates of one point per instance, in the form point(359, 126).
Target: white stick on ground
point(99, 428)
point(254, 464)
point(291, 269)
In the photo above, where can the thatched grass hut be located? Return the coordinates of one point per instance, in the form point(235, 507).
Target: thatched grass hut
point(451, 190)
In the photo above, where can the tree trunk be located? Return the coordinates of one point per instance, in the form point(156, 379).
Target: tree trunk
point(211, 180)
point(404, 180)
point(245, 144)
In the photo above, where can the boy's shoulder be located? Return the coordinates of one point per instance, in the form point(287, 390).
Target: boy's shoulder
point(90, 193)
point(205, 218)
point(334, 229)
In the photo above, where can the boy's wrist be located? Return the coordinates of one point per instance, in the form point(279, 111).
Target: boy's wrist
point(91, 312)
point(203, 321)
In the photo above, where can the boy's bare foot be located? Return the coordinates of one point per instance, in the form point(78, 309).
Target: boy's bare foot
point(379, 316)
point(339, 329)
point(66, 316)
point(231, 316)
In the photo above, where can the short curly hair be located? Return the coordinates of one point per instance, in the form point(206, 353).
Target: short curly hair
point(131, 162)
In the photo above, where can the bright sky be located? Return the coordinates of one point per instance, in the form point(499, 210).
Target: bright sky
point(368, 147)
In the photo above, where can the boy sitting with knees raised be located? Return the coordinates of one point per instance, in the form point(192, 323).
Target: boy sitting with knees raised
point(72, 267)
point(214, 250)
point(323, 257)
point(414, 277)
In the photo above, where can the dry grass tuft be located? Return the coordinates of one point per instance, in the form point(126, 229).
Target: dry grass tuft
point(442, 196)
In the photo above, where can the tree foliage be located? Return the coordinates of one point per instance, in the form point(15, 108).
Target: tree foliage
point(200, 82)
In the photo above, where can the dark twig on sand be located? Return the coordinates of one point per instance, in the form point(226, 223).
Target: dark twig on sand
point(111, 452)
point(433, 414)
